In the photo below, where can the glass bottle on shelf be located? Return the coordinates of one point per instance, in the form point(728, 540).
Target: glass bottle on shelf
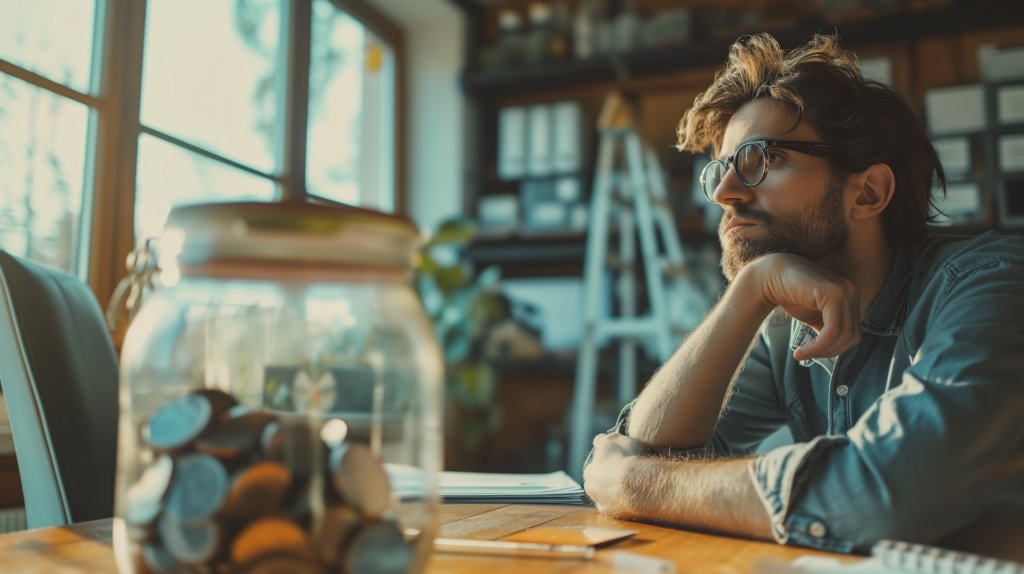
point(511, 43)
point(590, 29)
point(625, 29)
point(560, 41)
point(539, 37)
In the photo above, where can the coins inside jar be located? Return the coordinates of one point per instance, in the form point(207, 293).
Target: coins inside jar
point(235, 489)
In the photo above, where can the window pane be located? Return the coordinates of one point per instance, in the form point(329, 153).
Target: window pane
point(169, 175)
point(42, 163)
point(208, 75)
point(350, 154)
point(53, 38)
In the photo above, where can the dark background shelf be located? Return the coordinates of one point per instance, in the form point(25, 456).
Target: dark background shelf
point(964, 16)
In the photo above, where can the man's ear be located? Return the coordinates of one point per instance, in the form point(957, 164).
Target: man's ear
point(873, 189)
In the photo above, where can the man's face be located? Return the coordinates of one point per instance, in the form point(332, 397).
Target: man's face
point(797, 209)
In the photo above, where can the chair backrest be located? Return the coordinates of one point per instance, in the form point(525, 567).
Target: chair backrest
point(58, 371)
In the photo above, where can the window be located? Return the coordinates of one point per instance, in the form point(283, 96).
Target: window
point(47, 108)
point(156, 103)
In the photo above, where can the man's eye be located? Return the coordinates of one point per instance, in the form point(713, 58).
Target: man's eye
point(773, 157)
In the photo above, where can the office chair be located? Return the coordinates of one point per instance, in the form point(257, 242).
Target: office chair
point(58, 372)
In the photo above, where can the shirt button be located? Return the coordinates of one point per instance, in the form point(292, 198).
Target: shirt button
point(817, 530)
point(842, 390)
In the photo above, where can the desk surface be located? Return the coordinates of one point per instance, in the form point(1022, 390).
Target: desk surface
point(86, 547)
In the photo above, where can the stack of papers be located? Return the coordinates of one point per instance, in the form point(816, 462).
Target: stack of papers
point(485, 487)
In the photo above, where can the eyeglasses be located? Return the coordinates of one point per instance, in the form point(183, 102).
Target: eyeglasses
point(751, 162)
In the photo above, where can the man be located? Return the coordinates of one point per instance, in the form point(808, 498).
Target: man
point(895, 359)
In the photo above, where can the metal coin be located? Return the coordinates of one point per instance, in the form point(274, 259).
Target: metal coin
point(290, 441)
point(178, 422)
point(378, 548)
point(237, 433)
point(157, 560)
point(198, 490)
point(267, 536)
point(336, 527)
point(360, 479)
point(145, 497)
point(190, 544)
point(258, 490)
point(220, 401)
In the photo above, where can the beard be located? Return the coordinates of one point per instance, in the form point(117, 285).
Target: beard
point(820, 234)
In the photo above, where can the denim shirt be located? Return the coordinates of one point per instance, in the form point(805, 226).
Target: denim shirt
point(917, 431)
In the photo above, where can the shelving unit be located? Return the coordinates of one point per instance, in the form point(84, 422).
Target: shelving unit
point(927, 49)
point(963, 16)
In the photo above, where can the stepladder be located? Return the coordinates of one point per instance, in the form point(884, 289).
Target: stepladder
point(629, 206)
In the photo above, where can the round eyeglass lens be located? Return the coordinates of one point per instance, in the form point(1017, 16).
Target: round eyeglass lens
point(750, 163)
point(711, 177)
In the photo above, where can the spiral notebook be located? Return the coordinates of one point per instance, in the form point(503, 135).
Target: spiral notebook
point(893, 557)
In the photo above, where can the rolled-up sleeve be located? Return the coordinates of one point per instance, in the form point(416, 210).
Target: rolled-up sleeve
point(752, 410)
point(931, 452)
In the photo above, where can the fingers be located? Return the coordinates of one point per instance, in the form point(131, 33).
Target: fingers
point(840, 318)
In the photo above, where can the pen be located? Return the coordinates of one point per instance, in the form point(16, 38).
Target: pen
point(522, 549)
point(629, 561)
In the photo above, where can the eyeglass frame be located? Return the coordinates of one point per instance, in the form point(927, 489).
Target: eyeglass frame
point(817, 149)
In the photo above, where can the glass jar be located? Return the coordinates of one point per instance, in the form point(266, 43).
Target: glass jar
point(280, 397)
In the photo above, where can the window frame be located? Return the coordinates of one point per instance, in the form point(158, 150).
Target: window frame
point(108, 227)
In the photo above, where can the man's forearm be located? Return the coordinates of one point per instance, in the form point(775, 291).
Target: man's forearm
point(680, 405)
point(714, 495)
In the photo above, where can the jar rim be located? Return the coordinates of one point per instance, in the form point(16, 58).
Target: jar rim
point(333, 235)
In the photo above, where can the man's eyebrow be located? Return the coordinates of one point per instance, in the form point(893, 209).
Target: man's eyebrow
point(722, 154)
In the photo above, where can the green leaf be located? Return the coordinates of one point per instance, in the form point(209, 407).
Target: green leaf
point(459, 230)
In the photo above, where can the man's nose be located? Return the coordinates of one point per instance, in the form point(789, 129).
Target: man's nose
point(731, 190)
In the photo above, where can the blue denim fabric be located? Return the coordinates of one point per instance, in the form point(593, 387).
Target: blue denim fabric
point(916, 432)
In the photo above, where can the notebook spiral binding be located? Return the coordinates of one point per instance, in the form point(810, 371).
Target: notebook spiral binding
point(923, 559)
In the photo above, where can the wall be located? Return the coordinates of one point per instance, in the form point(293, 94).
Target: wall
point(434, 108)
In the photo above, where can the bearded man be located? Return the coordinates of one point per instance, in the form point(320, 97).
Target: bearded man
point(895, 359)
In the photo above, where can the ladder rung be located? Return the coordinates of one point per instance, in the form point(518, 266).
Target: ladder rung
point(660, 202)
point(633, 327)
point(680, 271)
point(618, 264)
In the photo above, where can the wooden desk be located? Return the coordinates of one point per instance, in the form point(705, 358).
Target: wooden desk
point(86, 547)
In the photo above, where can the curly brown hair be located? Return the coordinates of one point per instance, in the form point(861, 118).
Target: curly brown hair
point(868, 121)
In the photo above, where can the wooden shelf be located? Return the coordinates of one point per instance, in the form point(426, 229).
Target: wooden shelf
point(964, 16)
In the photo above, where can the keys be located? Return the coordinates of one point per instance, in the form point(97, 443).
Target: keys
point(233, 489)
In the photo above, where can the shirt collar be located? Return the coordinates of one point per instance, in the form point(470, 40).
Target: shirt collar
point(885, 315)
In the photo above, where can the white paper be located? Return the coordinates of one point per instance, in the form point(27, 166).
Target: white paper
point(512, 143)
point(567, 136)
point(1011, 152)
point(553, 487)
point(879, 69)
point(1011, 104)
point(539, 119)
point(956, 109)
point(955, 154)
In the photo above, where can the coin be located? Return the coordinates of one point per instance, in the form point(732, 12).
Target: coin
point(378, 548)
point(360, 479)
point(145, 497)
point(155, 559)
point(178, 422)
point(220, 401)
point(190, 544)
point(336, 526)
point(198, 490)
point(237, 432)
point(258, 490)
point(267, 536)
point(291, 441)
